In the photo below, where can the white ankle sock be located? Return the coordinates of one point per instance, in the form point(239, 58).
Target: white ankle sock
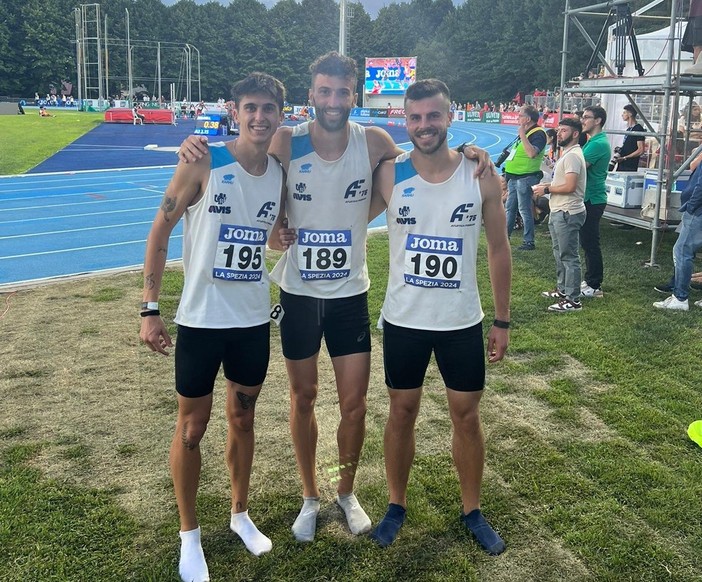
point(306, 522)
point(192, 566)
point(253, 539)
point(358, 520)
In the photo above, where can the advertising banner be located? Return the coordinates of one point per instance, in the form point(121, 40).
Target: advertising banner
point(396, 112)
point(379, 112)
point(510, 118)
point(491, 116)
point(472, 115)
point(389, 75)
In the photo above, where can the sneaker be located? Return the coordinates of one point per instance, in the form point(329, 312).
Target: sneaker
point(588, 291)
point(664, 288)
point(698, 303)
point(583, 284)
point(555, 294)
point(565, 306)
point(526, 247)
point(672, 303)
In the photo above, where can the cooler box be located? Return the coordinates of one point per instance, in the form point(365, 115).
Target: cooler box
point(625, 189)
point(669, 206)
point(651, 177)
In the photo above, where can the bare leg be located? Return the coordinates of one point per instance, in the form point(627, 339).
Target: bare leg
point(468, 445)
point(400, 442)
point(399, 454)
point(303, 423)
point(185, 460)
point(241, 405)
point(352, 376)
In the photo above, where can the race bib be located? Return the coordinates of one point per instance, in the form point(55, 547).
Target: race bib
point(240, 253)
point(324, 254)
point(433, 261)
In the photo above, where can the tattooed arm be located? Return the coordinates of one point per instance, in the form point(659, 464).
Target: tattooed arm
point(186, 188)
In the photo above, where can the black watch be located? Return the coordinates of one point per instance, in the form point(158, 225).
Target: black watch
point(547, 190)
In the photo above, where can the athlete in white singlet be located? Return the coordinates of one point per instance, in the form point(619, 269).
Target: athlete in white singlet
point(435, 207)
point(231, 201)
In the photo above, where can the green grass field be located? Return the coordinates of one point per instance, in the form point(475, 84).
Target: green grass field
point(30, 139)
point(589, 471)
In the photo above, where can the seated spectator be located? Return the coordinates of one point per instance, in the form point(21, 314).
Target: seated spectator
point(20, 109)
point(139, 118)
point(44, 113)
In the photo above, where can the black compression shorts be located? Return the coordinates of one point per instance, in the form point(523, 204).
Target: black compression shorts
point(460, 356)
point(242, 351)
point(344, 323)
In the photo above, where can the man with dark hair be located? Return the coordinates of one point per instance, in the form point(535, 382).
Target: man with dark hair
point(323, 275)
point(522, 171)
point(598, 153)
point(231, 200)
point(432, 304)
point(567, 190)
point(627, 158)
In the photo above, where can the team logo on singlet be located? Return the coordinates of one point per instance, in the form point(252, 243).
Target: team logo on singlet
point(408, 192)
point(356, 191)
point(228, 179)
point(405, 217)
point(463, 215)
point(299, 193)
point(218, 206)
point(266, 212)
point(305, 168)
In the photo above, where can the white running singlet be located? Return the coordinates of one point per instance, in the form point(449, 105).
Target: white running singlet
point(327, 203)
point(433, 231)
point(224, 246)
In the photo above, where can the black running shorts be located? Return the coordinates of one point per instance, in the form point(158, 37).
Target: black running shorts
point(460, 356)
point(344, 323)
point(242, 351)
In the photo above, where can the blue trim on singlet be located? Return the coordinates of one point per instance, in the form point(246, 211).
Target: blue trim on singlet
point(404, 171)
point(301, 146)
point(221, 157)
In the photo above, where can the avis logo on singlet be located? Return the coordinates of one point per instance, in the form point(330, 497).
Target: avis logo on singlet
point(218, 206)
point(404, 217)
point(299, 193)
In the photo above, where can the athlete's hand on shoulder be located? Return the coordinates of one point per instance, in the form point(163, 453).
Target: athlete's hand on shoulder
point(154, 334)
point(485, 166)
point(193, 148)
point(498, 340)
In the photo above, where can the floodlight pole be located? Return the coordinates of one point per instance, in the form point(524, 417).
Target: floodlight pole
point(129, 59)
point(342, 27)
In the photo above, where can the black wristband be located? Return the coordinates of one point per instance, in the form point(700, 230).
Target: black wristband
point(547, 190)
point(501, 324)
point(150, 312)
point(461, 147)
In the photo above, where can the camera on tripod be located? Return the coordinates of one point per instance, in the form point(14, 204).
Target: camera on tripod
point(503, 156)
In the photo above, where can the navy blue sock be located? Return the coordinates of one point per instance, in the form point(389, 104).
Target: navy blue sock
point(487, 537)
point(388, 528)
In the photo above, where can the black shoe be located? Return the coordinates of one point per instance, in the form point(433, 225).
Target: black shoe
point(665, 288)
point(527, 247)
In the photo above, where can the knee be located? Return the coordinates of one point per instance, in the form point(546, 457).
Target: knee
point(466, 421)
point(403, 413)
point(302, 399)
point(354, 410)
point(241, 419)
point(191, 431)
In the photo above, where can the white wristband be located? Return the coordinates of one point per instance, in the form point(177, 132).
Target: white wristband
point(150, 305)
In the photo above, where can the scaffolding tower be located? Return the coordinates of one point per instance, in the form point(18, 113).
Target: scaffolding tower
point(667, 88)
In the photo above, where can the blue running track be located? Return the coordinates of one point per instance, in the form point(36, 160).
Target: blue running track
point(89, 208)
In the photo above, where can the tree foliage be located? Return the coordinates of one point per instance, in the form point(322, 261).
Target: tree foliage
point(483, 49)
